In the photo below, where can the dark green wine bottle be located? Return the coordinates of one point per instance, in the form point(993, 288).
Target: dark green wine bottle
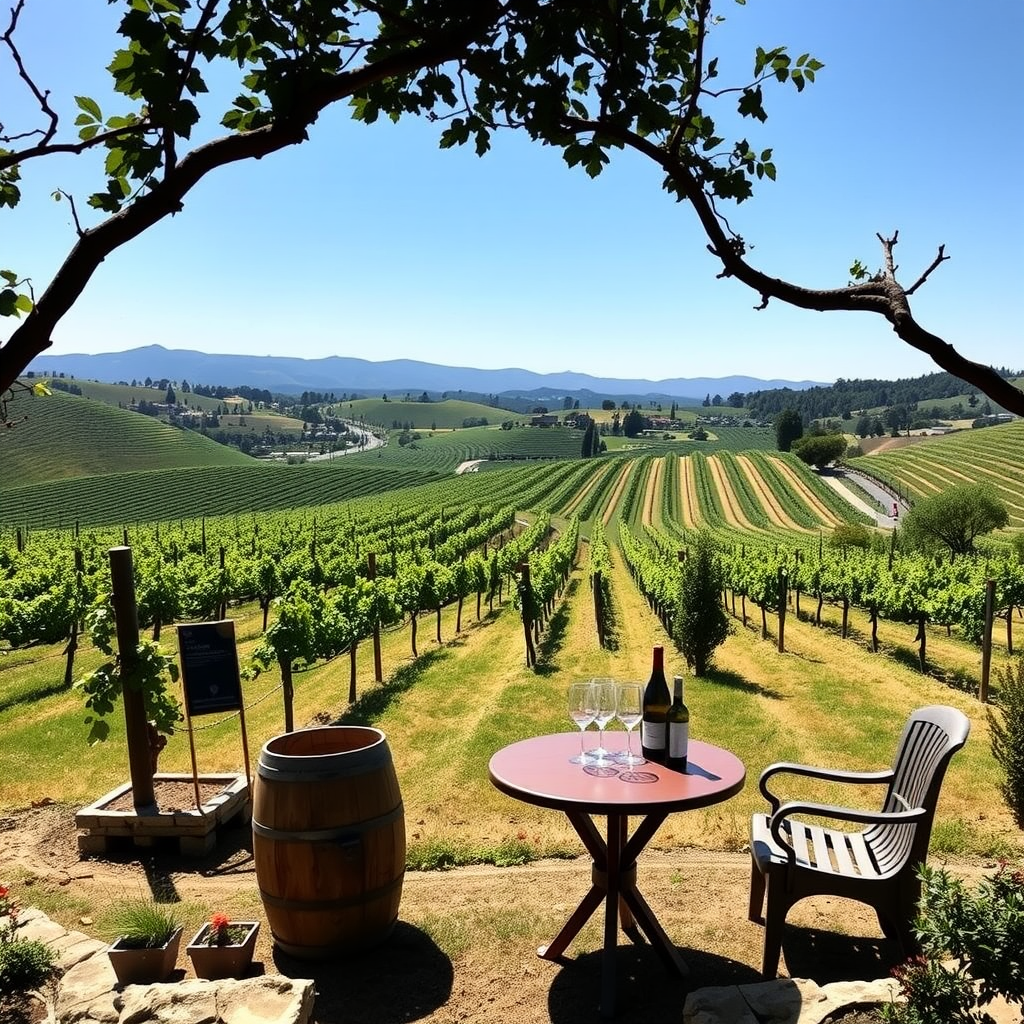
point(654, 728)
point(678, 728)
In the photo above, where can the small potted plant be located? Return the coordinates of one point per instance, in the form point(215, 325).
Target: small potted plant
point(146, 948)
point(223, 948)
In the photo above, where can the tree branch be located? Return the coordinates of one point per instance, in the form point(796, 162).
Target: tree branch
point(883, 296)
point(41, 97)
point(33, 335)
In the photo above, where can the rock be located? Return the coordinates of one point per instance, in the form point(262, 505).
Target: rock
point(86, 992)
point(784, 1001)
point(269, 999)
point(781, 1001)
point(841, 995)
point(718, 1005)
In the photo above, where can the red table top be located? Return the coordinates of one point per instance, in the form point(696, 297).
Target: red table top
point(537, 771)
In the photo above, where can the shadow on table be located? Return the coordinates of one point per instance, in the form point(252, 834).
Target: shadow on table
point(646, 992)
point(405, 979)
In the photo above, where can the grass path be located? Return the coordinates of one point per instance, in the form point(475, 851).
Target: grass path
point(651, 494)
point(688, 507)
point(620, 486)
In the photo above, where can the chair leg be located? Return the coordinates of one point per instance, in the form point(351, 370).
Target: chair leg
point(756, 892)
point(889, 930)
point(774, 920)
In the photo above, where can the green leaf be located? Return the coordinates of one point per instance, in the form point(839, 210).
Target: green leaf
point(750, 104)
point(8, 302)
point(91, 107)
point(9, 276)
point(24, 304)
point(89, 132)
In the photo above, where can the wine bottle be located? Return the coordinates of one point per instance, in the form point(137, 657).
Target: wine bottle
point(654, 728)
point(678, 728)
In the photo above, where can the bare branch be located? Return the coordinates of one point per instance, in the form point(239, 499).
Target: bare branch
point(940, 258)
point(74, 211)
point(48, 148)
point(883, 296)
point(41, 97)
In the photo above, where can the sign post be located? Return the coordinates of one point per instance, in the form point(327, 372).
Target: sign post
point(210, 680)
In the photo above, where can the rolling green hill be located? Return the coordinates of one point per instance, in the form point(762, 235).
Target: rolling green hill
point(447, 415)
point(122, 498)
point(70, 436)
point(443, 452)
point(992, 455)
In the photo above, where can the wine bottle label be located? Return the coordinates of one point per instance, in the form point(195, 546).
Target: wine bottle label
point(678, 738)
point(652, 735)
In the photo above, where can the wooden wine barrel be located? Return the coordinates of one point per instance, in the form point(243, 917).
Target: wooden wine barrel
point(328, 840)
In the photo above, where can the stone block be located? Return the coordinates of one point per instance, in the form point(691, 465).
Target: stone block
point(92, 845)
point(197, 846)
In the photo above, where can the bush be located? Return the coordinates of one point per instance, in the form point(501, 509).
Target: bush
point(971, 940)
point(1007, 726)
point(25, 965)
point(851, 535)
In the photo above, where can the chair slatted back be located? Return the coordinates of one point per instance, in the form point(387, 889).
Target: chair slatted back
point(930, 738)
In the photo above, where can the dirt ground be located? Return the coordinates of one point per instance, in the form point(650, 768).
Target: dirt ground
point(490, 920)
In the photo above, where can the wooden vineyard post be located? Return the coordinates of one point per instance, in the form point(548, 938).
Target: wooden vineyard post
point(986, 641)
point(371, 568)
point(126, 618)
point(598, 606)
point(783, 600)
point(526, 599)
point(72, 647)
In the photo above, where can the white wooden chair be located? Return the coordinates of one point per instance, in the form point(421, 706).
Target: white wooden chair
point(876, 865)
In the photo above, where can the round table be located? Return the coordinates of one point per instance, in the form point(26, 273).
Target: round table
point(539, 771)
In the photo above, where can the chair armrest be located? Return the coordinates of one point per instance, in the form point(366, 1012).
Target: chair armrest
point(812, 772)
point(852, 814)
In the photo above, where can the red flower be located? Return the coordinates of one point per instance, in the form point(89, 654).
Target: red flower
point(220, 933)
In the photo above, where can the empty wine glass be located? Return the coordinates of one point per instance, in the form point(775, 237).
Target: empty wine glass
point(582, 710)
point(604, 700)
point(629, 709)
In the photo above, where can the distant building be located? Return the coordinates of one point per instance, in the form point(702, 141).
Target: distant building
point(545, 420)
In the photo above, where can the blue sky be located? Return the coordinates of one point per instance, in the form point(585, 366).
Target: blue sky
point(368, 241)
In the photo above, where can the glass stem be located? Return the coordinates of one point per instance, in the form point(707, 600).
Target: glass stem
point(583, 753)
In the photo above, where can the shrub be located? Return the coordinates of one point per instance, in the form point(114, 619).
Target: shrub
point(851, 535)
point(25, 965)
point(1007, 726)
point(971, 940)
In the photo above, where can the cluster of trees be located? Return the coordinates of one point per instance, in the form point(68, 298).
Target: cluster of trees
point(841, 398)
point(257, 395)
point(592, 443)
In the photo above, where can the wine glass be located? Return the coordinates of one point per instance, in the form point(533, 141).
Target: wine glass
point(629, 709)
point(582, 710)
point(604, 700)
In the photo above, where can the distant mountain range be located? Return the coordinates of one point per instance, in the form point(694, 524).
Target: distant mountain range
point(291, 376)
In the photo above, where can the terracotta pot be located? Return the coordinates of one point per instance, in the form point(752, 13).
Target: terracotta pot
point(227, 961)
point(144, 966)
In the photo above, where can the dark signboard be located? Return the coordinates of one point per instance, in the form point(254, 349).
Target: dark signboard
point(209, 667)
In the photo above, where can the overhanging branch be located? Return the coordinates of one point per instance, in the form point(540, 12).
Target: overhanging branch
point(883, 295)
